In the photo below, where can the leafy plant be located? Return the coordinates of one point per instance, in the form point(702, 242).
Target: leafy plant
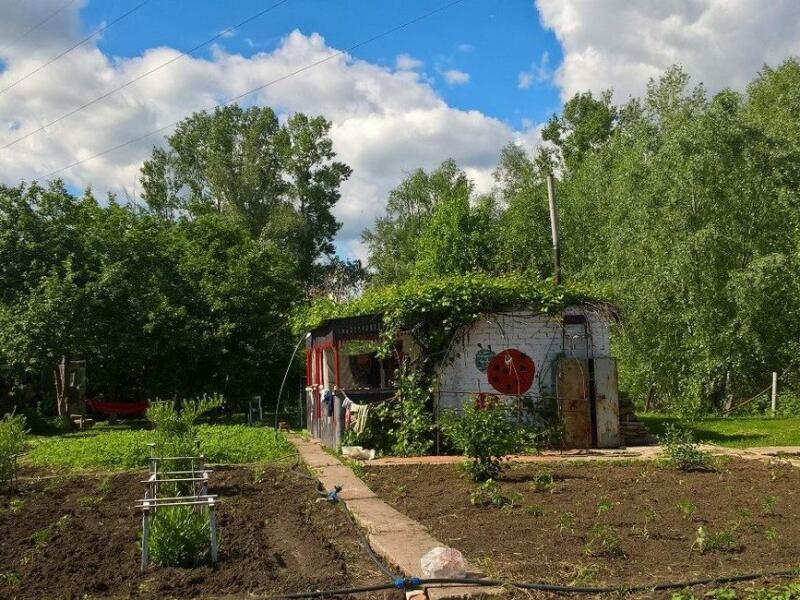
point(489, 494)
point(543, 481)
point(603, 540)
point(179, 536)
point(414, 422)
point(566, 521)
point(681, 452)
point(768, 504)
point(605, 505)
point(485, 435)
point(176, 429)
point(12, 441)
point(720, 541)
point(580, 572)
point(686, 509)
point(772, 534)
point(535, 510)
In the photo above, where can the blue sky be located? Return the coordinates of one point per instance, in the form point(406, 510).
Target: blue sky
point(461, 84)
point(491, 41)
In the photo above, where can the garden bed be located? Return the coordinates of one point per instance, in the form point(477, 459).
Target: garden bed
point(610, 524)
point(76, 537)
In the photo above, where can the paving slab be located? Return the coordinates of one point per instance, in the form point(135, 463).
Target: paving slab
point(399, 539)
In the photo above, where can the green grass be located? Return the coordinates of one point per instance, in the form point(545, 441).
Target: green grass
point(735, 432)
point(115, 448)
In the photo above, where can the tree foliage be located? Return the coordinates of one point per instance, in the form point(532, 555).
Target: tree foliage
point(190, 294)
point(682, 205)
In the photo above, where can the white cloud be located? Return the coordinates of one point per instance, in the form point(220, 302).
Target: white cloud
point(538, 73)
point(465, 48)
point(621, 44)
point(455, 77)
point(406, 62)
point(385, 122)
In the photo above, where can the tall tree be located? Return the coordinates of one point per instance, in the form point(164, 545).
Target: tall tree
point(280, 180)
point(393, 242)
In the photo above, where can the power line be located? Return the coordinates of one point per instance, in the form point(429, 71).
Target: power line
point(37, 25)
point(263, 86)
point(143, 75)
point(71, 48)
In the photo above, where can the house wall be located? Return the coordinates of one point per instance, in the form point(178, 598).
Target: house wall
point(541, 338)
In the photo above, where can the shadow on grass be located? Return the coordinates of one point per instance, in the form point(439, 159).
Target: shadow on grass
point(657, 426)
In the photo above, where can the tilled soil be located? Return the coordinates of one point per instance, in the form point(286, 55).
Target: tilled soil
point(77, 537)
point(654, 512)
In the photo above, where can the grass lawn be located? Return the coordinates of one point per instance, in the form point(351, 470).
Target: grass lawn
point(117, 448)
point(735, 432)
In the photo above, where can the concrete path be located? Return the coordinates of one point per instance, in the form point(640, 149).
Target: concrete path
point(402, 541)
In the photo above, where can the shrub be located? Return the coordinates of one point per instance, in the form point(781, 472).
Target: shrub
point(12, 441)
point(179, 536)
point(490, 494)
point(682, 453)
point(485, 435)
point(603, 540)
point(177, 429)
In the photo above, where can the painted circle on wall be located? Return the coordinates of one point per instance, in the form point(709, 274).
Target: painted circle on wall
point(511, 372)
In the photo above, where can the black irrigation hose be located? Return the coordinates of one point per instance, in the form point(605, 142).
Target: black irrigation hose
point(362, 539)
point(413, 583)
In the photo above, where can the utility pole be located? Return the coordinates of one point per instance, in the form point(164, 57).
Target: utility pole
point(551, 197)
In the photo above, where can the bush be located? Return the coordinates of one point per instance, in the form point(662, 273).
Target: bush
point(682, 453)
point(485, 435)
point(176, 430)
point(12, 440)
point(179, 536)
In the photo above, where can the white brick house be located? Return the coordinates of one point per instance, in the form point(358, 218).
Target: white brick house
point(552, 368)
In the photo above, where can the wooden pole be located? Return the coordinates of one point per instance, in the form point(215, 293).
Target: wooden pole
point(774, 392)
point(551, 197)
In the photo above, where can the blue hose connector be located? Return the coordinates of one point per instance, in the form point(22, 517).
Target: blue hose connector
point(408, 583)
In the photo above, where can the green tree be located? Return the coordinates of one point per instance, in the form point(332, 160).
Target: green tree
point(280, 179)
point(393, 243)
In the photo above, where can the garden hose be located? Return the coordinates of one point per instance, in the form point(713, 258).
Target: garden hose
point(285, 376)
point(332, 496)
point(414, 583)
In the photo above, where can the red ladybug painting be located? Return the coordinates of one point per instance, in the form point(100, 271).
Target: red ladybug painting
point(511, 372)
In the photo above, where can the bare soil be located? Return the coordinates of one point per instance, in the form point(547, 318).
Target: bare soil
point(77, 537)
point(754, 503)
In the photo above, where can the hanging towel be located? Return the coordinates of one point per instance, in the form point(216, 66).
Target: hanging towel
point(361, 414)
point(347, 405)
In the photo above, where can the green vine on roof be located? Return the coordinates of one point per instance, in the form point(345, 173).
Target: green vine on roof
point(433, 310)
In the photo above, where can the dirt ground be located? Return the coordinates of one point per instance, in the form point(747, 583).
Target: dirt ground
point(654, 513)
point(76, 537)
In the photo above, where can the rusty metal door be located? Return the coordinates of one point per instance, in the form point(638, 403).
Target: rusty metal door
point(607, 402)
point(572, 390)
